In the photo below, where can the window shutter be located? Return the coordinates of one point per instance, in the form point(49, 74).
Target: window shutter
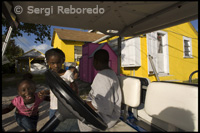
point(130, 53)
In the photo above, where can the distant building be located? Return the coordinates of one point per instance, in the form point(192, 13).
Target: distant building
point(27, 61)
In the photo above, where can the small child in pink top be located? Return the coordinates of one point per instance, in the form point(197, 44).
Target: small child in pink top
point(26, 104)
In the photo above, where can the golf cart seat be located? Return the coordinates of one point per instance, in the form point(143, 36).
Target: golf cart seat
point(174, 104)
point(131, 97)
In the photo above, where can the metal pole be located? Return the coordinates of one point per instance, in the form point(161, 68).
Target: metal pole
point(190, 77)
point(119, 55)
point(6, 40)
point(154, 69)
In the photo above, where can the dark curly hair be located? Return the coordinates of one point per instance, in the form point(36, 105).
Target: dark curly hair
point(28, 78)
point(54, 51)
point(102, 56)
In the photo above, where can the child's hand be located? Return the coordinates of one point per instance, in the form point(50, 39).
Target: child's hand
point(8, 109)
point(43, 93)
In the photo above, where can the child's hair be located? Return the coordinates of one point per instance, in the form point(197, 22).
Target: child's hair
point(73, 67)
point(54, 51)
point(102, 55)
point(27, 77)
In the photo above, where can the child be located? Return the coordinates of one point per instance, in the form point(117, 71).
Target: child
point(26, 104)
point(105, 95)
point(55, 58)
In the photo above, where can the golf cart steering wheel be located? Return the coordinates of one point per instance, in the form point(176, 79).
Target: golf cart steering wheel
point(69, 102)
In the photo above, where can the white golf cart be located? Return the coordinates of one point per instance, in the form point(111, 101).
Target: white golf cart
point(147, 106)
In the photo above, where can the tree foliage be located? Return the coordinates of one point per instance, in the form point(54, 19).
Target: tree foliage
point(41, 31)
point(12, 51)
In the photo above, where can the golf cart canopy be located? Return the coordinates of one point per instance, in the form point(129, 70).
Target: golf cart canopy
point(124, 18)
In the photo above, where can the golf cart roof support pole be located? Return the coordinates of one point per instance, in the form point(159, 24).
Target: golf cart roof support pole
point(119, 55)
point(11, 20)
point(6, 40)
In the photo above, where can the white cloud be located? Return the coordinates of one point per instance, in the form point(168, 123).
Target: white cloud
point(42, 48)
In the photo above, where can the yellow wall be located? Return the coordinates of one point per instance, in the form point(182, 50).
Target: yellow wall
point(180, 68)
point(178, 65)
point(67, 47)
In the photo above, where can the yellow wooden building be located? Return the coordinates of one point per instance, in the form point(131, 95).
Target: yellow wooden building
point(174, 51)
point(71, 42)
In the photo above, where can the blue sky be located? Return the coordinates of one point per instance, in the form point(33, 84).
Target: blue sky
point(27, 42)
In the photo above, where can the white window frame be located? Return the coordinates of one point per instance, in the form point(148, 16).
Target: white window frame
point(190, 47)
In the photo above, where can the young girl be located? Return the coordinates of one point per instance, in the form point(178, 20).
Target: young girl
point(26, 104)
point(55, 58)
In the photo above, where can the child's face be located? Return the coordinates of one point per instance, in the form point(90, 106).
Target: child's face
point(26, 90)
point(55, 63)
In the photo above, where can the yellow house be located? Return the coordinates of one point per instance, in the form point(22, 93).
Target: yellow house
point(174, 51)
point(71, 41)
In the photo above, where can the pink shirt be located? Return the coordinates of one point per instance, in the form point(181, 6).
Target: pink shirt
point(18, 102)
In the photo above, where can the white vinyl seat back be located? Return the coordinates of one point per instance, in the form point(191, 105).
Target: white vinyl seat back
point(176, 104)
point(131, 90)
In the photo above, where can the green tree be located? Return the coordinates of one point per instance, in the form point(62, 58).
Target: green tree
point(41, 31)
point(12, 52)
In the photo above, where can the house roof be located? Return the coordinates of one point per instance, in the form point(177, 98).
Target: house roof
point(74, 35)
point(34, 53)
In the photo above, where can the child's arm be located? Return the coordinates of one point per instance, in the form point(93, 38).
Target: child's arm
point(8, 109)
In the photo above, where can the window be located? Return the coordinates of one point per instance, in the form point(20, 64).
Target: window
point(187, 47)
point(77, 52)
point(160, 42)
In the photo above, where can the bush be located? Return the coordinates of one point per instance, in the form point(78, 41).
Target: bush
point(8, 68)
